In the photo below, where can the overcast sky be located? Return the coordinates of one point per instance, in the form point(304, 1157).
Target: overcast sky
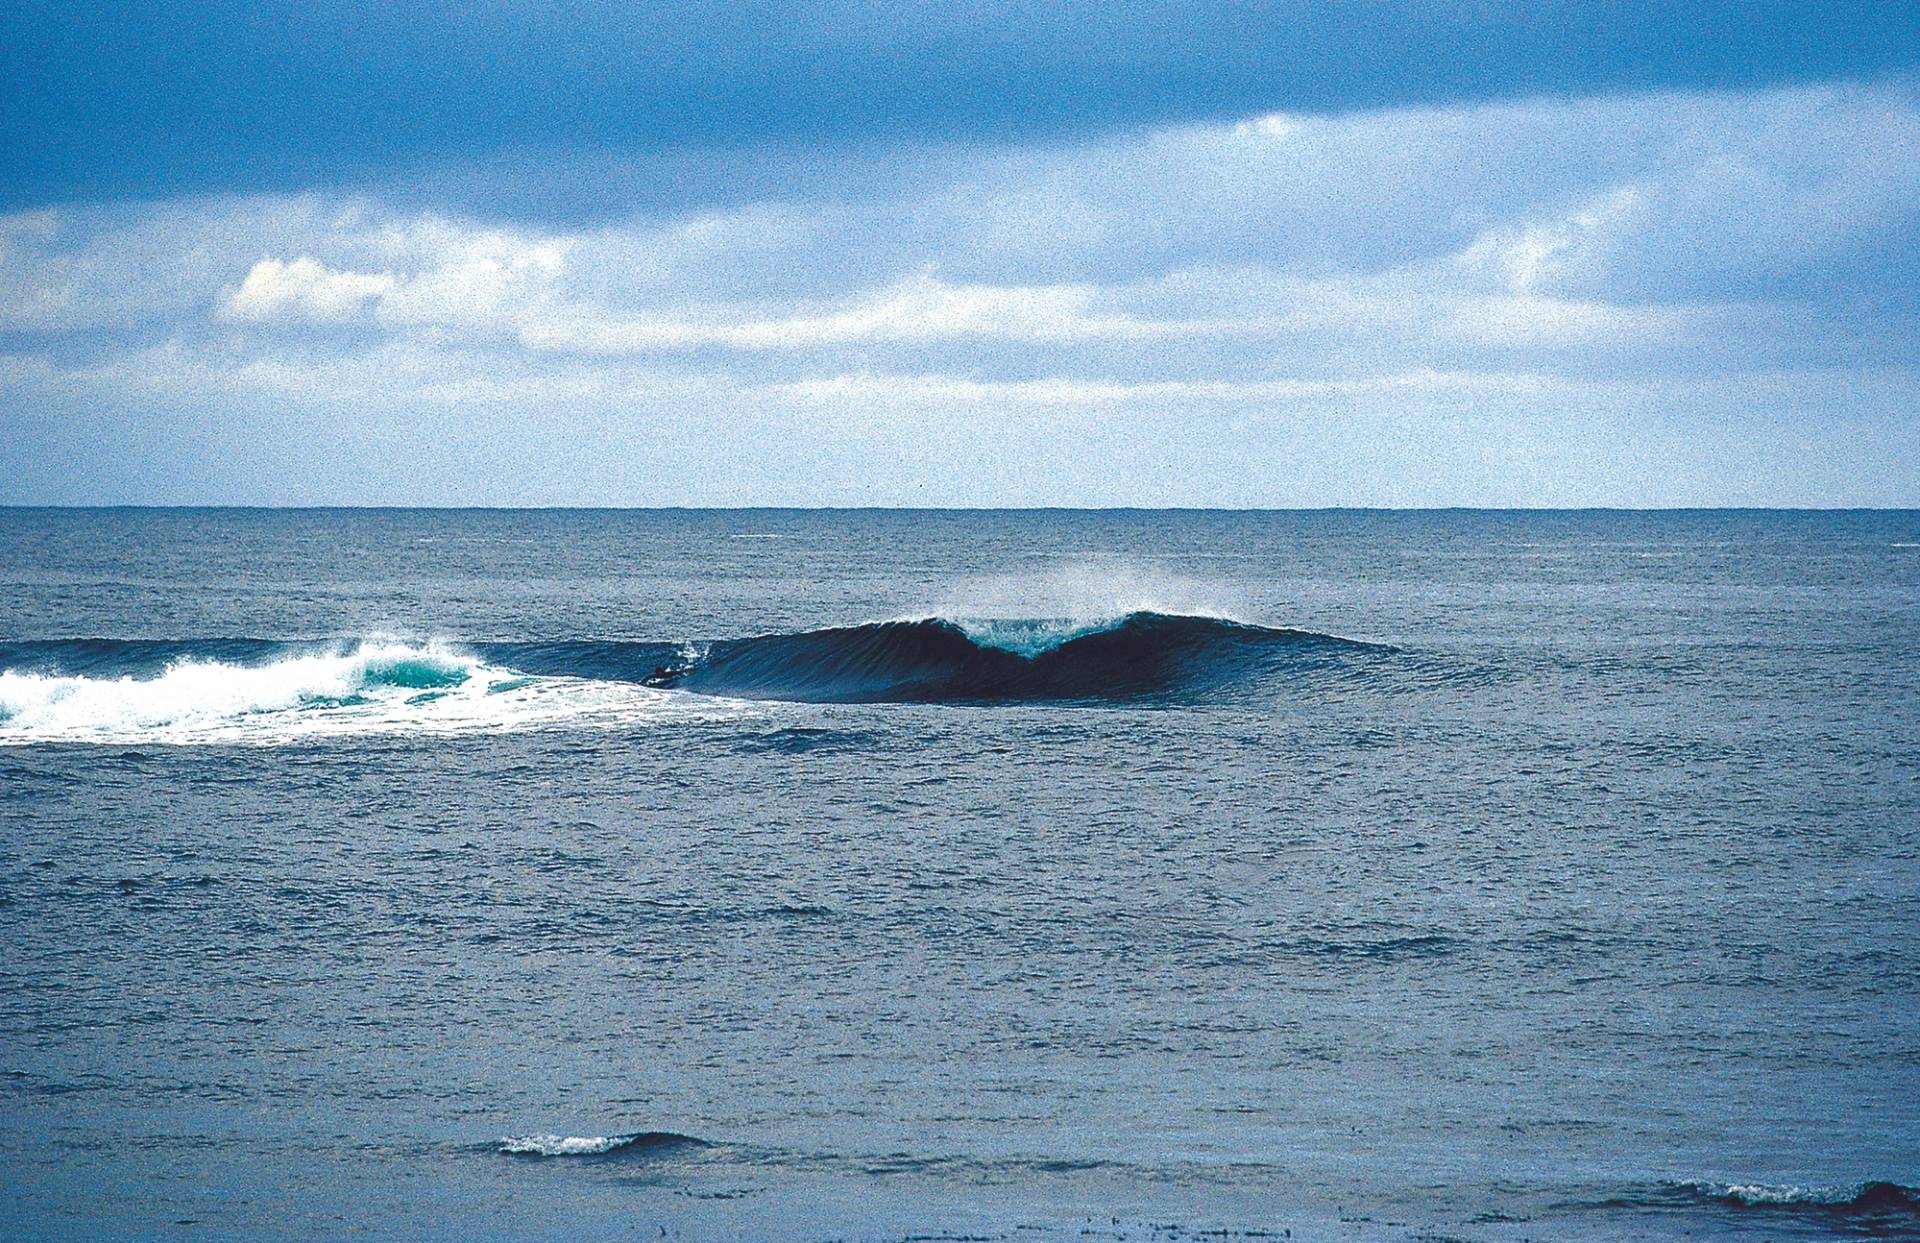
point(976, 254)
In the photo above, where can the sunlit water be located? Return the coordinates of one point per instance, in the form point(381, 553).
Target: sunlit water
point(463, 875)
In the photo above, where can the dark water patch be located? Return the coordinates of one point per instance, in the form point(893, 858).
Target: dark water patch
point(976, 1170)
point(721, 1193)
point(1425, 945)
point(45, 1085)
point(1384, 949)
point(603, 660)
point(803, 740)
point(26, 777)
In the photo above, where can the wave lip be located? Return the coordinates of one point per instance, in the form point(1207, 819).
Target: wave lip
point(934, 660)
point(594, 1145)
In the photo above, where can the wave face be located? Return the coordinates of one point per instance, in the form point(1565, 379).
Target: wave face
point(258, 691)
point(936, 660)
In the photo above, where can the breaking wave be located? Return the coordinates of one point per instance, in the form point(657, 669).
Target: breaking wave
point(258, 690)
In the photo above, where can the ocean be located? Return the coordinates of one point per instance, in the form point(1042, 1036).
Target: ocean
point(1055, 875)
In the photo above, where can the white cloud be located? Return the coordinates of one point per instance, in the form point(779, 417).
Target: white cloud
point(866, 387)
point(920, 309)
point(36, 292)
point(1526, 258)
point(304, 289)
point(1273, 126)
point(476, 277)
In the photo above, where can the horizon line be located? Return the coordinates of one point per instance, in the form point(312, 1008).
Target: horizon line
point(970, 509)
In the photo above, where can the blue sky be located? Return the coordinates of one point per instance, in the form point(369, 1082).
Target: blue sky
point(841, 253)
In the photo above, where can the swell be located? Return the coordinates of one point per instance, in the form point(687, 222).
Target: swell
point(936, 660)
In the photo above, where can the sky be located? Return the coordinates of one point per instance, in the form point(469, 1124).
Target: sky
point(831, 252)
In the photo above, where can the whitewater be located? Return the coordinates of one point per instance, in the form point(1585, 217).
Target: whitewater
point(362, 689)
point(1040, 876)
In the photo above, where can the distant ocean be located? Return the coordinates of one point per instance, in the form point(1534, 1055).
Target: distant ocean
point(786, 875)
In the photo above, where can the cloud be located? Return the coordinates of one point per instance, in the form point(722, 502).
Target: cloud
point(304, 289)
point(919, 309)
point(1571, 262)
point(910, 390)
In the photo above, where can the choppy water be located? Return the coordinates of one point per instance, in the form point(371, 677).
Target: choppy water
point(1053, 875)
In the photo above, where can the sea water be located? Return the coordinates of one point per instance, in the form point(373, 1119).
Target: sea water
point(874, 875)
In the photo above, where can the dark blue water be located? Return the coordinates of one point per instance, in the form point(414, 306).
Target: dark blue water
point(453, 875)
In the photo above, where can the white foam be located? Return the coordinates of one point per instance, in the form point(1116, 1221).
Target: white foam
point(1776, 1193)
point(563, 1145)
point(373, 689)
point(1024, 636)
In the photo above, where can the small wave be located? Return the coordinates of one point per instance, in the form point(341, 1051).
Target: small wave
point(1876, 1198)
point(595, 1145)
point(935, 660)
point(1876, 1208)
